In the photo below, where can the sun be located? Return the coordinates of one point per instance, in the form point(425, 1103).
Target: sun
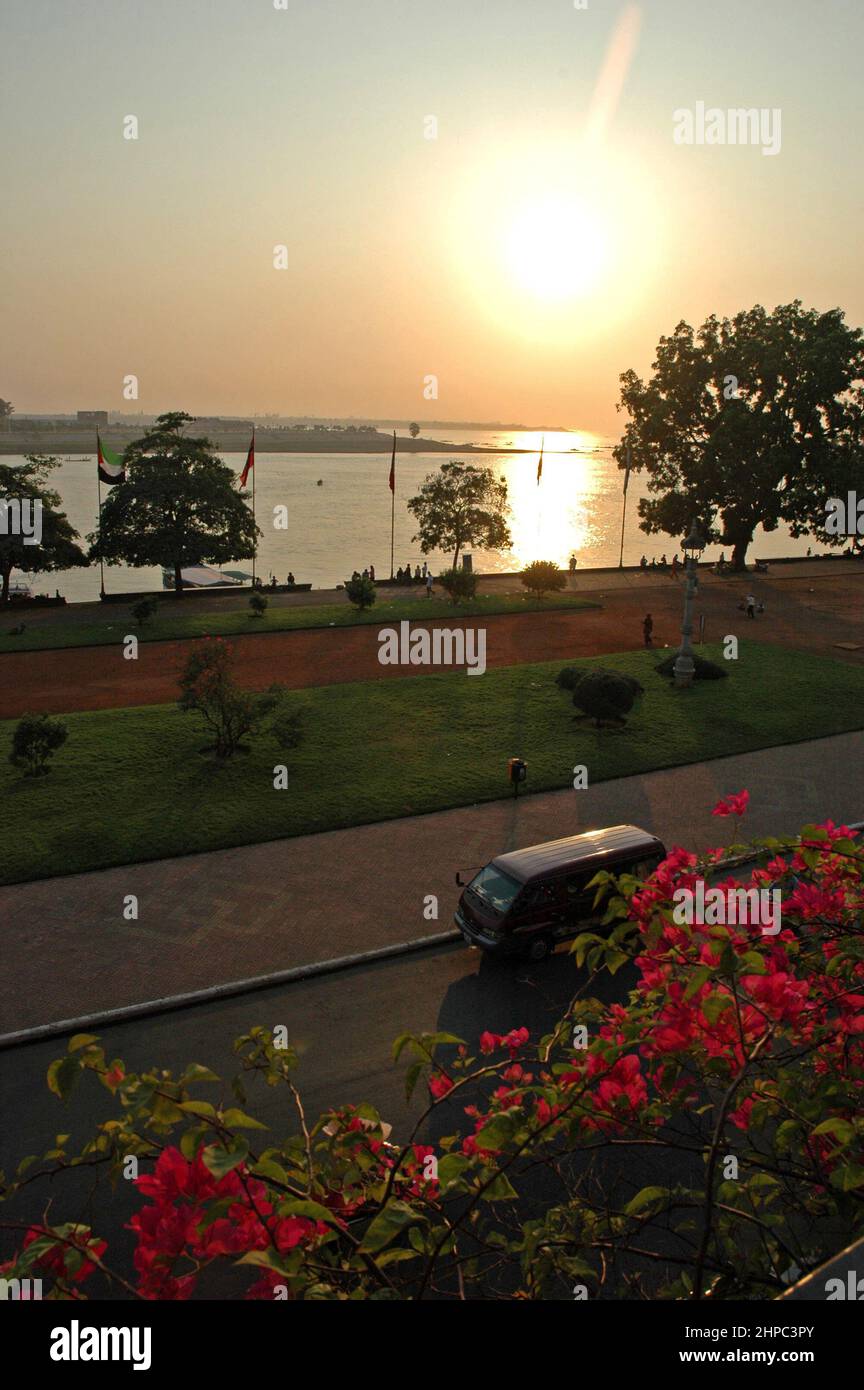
point(556, 248)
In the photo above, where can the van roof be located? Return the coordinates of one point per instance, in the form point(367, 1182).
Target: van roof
point(556, 856)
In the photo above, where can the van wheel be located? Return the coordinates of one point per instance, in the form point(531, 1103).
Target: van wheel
point(539, 948)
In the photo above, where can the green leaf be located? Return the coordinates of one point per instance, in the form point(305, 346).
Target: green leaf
point(62, 1075)
point(236, 1119)
point(646, 1198)
point(219, 1161)
point(500, 1190)
point(497, 1133)
point(81, 1040)
point(848, 1178)
point(388, 1224)
point(199, 1107)
point(842, 1130)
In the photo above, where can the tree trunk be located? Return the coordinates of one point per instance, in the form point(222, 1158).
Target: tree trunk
point(178, 582)
point(739, 552)
point(6, 575)
point(456, 554)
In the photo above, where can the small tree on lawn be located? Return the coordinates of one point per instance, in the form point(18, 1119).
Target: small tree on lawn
point(36, 739)
point(459, 584)
point(543, 577)
point(361, 592)
point(605, 696)
point(143, 611)
point(258, 604)
point(461, 505)
point(232, 714)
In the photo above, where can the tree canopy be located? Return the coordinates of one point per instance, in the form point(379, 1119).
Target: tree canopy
point(178, 506)
point(749, 421)
point(461, 505)
point(57, 549)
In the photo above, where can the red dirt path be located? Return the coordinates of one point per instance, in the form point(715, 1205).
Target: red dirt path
point(85, 678)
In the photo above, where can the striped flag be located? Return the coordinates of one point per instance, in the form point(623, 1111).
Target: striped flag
point(250, 460)
point(393, 466)
point(540, 463)
point(110, 465)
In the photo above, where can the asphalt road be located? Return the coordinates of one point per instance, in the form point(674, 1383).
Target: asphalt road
point(342, 1025)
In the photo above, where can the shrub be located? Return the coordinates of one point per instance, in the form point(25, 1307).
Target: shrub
point(604, 695)
point(361, 592)
point(705, 670)
point(143, 610)
point(543, 577)
point(36, 739)
point(459, 584)
point(570, 676)
point(258, 604)
point(208, 688)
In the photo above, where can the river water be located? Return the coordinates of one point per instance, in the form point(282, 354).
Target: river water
point(344, 524)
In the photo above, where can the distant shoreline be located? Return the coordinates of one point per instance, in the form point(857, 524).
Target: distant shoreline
point(79, 442)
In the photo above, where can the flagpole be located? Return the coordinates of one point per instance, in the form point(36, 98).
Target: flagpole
point(624, 508)
point(99, 524)
point(393, 503)
point(254, 531)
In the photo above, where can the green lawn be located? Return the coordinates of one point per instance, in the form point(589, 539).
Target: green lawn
point(131, 784)
point(183, 618)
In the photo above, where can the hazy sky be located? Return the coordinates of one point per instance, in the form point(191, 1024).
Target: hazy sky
point(525, 257)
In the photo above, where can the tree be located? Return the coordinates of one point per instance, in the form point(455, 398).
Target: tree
point(178, 506)
point(461, 505)
point(716, 1042)
point(605, 696)
point(751, 421)
point(23, 486)
point(35, 740)
point(7, 410)
point(143, 611)
point(361, 591)
point(459, 584)
point(232, 714)
point(258, 604)
point(414, 430)
point(543, 576)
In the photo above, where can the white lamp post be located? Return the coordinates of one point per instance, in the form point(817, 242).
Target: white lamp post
point(685, 667)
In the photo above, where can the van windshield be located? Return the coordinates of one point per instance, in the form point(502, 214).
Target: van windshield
point(495, 889)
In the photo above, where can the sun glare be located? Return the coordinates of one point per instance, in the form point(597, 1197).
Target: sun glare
point(555, 249)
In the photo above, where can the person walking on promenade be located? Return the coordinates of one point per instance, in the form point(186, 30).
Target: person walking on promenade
point(675, 565)
point(418, 578)
point(647, 629)
point(372, 573)
point(428, 583)
point(750, 601)
point(572, 564)
point(643, 563)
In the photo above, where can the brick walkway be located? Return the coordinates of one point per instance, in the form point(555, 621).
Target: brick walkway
point(211, 918)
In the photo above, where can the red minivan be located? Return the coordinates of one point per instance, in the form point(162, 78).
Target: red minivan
point(525, 902)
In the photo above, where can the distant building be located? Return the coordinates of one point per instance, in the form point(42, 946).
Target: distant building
point(92, 417)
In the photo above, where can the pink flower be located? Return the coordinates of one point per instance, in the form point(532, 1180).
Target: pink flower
point(734, 805)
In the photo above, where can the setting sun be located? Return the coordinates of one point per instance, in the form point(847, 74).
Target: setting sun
point(556, 248)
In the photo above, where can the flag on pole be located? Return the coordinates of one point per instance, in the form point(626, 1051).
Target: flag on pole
point(627, 469)
point(110, 465)
point(540, 463)
point(250, 461)
point(393, 466)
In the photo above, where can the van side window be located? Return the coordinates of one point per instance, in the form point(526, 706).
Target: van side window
point(538, 895)
point(576, 891)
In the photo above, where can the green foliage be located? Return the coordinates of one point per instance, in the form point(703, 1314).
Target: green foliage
point(36, 739)
point(208, 688)
point(604, 695)
point(143, 610)
point(705, 670)
point(461, 505)
point(58, 548)
point(543, 577)
point(178, 507)
point(361, 591)
point(750, 421)
point(460, 584)
point(258, 603)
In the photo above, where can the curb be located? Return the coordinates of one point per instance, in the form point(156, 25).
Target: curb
point(297, 973)
point(205, 996)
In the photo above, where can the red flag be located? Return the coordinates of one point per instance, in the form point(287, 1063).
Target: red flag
point(393, 466)
point(540, 464)
point(250, 461)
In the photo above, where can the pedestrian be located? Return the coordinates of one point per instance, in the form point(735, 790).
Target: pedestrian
point(663, 561)
point(572, 564)
point(675, 565)
point(643, 563)
point(428, 583)
point(291, 580)
point(365, 574)
point(417, 576)
point(372, 573)
point(647, 629)
point(750, 603)
point(425, 569)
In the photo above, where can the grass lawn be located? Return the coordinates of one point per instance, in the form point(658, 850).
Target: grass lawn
point(183, 618)
point(132, 784)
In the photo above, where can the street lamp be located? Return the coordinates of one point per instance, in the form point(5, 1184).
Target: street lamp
point(685, 667)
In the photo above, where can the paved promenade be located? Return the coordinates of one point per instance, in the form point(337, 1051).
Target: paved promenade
point(212, 918)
